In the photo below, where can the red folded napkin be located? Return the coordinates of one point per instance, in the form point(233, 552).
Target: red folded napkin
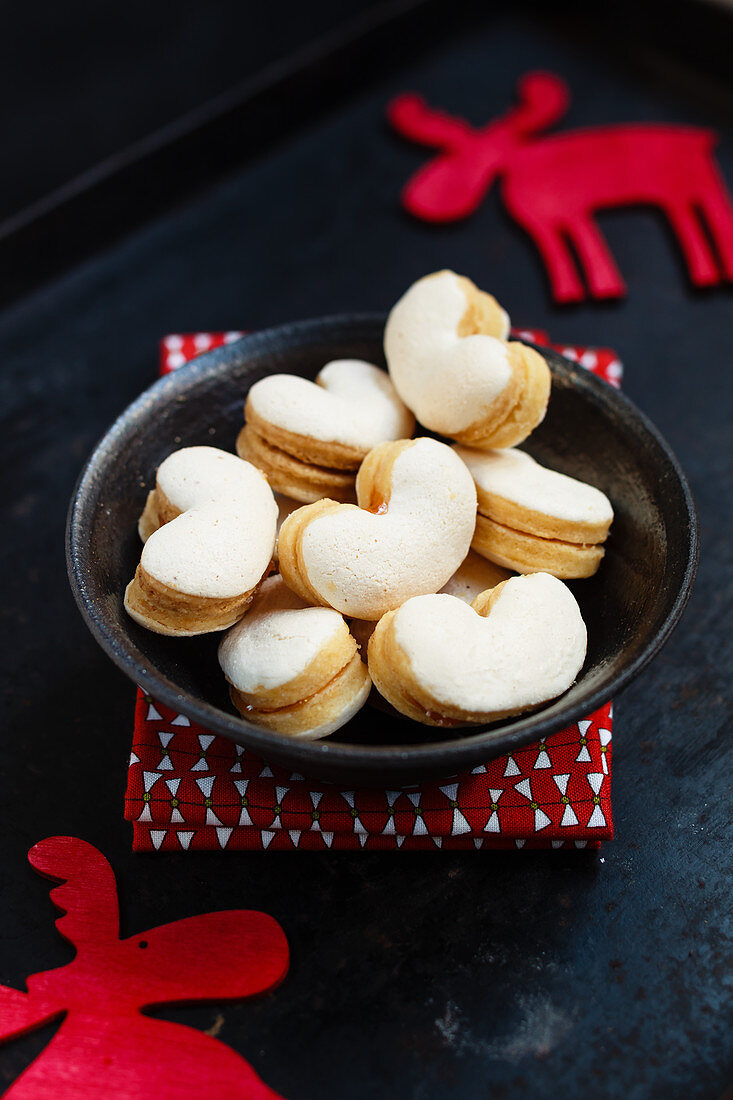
point(188, 789)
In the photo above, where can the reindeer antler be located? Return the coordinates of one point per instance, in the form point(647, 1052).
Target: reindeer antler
point(414, 119)
point(88, 896)
point(543, 99)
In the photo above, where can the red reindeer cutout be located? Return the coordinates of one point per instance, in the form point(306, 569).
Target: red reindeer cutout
point(105, 1046)
point(553, 186)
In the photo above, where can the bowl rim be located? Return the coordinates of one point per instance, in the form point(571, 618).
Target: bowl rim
point(451, 755)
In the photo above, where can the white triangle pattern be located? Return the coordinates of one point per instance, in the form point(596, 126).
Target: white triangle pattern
point(524, 787)
point(568, 818)
point(543, 759)
point(596, 819)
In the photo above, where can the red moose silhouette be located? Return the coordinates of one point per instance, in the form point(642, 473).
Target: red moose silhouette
point(105, 1046)
point(553, 186)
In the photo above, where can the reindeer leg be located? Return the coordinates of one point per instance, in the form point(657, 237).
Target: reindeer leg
point(700, 261)
point(716, 208)
point(565, 282)
point(603, 276)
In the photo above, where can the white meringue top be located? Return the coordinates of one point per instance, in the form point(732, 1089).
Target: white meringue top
point(351, 402)
point(277, 639)
point(222, 543)
point(516, 476)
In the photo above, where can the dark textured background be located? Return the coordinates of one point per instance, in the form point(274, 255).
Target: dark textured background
point(445, 975)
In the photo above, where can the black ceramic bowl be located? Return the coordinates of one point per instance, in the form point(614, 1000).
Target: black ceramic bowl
point(591, 431)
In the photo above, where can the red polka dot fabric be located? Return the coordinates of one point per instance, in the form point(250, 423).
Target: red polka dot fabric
point(189, 790)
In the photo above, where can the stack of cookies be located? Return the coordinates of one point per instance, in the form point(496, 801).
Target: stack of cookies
point(397, 557)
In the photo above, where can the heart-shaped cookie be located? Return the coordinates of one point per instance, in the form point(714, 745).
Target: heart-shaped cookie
point(209, 532)
point(531, 518)
point(310, 437)
point(291, 667)
point(444, 663)
point(446, 349)
point(411, 531)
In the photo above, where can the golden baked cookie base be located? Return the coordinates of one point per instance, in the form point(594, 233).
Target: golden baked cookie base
point(520, 408)
point(165, 610)
point(306, 448)
point(313, 716)
point(303, 481)
point(527, 553)
point(158, 510)
point(483, 314)
point(289, 549)
point(510, 514)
